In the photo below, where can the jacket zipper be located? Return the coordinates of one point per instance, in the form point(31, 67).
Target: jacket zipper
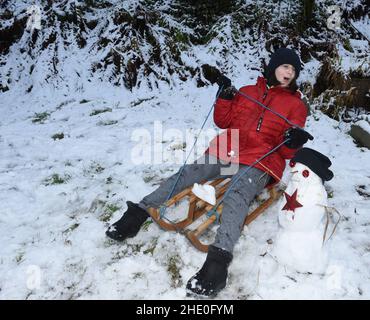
point(262, 115)
point(260, 121)
point(264, 96)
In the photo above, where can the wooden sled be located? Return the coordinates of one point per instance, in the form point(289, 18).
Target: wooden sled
point(198, 207)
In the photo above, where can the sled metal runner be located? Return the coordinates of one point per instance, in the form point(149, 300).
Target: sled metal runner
point(198, 207)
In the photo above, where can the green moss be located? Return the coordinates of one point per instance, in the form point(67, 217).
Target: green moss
point(58, 136)
point(97, 168)
point(107, 123)
point(56, 179)
point(162, 23)
point(71, 228)
point(112, 208)
point(108, 212)
point(136, 247)
point(105, 217)
point(40, 117)
point(174, 271)
point(92, 169)
point(95, 112)
point(149, 178)
point(19, 257)
point(151, 248)
point(138, 275)
point(181, 37)
point(347, 45)
point(146, 225)
point(140, 101)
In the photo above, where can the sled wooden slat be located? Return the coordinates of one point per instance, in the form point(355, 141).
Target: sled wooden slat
point(178, 197)
point(203, 227)
point(198, 207)
point(274, 194)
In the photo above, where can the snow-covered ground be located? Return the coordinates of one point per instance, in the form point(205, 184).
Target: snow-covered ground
point(58, 196)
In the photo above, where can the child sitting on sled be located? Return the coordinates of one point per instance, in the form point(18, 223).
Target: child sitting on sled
point(259, 132)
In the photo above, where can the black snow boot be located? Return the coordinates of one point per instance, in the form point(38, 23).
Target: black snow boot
point(129, 225)
point(211, 279)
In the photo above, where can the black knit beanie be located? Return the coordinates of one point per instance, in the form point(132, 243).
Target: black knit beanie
point(283, 56)
point(316, 161)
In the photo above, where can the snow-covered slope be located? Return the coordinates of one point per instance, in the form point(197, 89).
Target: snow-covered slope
point(75, 144)
point(59, 195)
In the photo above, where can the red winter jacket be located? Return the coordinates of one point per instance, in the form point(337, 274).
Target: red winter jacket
point(259, 129)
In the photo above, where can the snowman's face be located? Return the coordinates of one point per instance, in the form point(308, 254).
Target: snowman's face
point(302, 173)
point(299, 208)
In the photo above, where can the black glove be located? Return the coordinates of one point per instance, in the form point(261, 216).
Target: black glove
point(227, 91)
point(298, 137)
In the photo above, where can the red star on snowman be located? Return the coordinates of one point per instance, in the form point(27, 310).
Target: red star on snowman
point(291, 201)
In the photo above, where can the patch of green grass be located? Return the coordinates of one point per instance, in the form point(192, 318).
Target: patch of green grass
point(128, 250)
point(58, 136)
point(105, 216)
point(362, 191)
point(152, 247)
point(93, 169)
point(138, 275)
point(56, 179)
point(146, 225)
point(136, 247)
point(95, 112)
point(149, 178)
point(19, 257)
point(181, 37)
point(174, 271)
point(107, 122)
point(64, 104)
point(40, 117)
point(112, 208)
point(347, 45)
point(98, 168)
point(108, 212)
point(71, 228)
point(140, 101)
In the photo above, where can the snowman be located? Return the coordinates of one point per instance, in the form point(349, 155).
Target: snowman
point(299, 242)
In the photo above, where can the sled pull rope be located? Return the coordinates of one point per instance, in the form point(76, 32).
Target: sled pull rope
point(246, 170)
point(163, 208)
point(267, 108)
point(214, 212)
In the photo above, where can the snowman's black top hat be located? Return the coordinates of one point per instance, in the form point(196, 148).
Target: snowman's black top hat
point(316, 161)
